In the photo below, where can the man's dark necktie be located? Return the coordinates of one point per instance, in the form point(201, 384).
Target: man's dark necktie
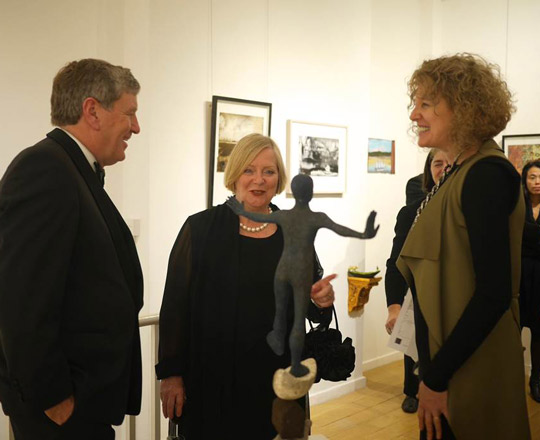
point(100, 172)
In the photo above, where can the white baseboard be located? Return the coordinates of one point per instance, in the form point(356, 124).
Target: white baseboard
point(382, 360)
point(338, 390)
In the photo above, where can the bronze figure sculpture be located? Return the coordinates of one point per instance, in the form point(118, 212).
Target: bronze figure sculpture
point(295, 268)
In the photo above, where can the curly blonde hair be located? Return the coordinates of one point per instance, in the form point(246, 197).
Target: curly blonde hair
point(474, 90)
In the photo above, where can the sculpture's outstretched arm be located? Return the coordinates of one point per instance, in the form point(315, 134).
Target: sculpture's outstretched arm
point(238, 209)
point(344, 231)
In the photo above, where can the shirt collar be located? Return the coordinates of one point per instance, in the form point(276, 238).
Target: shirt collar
point(87, 153)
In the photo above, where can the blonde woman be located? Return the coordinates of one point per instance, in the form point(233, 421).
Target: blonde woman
point(215, 365)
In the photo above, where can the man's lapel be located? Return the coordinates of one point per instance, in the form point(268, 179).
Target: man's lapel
point(120, 233)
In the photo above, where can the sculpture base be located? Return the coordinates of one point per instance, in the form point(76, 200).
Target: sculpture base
point(288, 417)
point(288, 387)
point(307, 427)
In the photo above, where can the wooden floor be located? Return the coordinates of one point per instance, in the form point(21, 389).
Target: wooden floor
point(374, 412)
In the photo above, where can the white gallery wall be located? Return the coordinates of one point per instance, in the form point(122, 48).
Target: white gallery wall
point(343, 62)
point(400, 40)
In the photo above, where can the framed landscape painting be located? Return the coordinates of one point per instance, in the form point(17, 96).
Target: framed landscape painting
point(232, 119)
point(318, 150)
point(521, 148)
point(381, 156)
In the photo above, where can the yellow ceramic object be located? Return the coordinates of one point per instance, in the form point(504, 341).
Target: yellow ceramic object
point(359, 291)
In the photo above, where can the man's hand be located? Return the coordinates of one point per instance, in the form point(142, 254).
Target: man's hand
point(393, 312)
point(61, 412)
point(173, 396)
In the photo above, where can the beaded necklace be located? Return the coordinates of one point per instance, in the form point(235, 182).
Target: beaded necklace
point(448, 171)
point(256, 228)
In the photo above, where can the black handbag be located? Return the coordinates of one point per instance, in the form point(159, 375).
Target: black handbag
point(335, 357)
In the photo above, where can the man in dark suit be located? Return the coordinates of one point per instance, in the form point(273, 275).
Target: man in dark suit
point(70, 278)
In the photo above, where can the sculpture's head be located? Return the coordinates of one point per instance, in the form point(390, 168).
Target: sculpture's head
point(302, 188)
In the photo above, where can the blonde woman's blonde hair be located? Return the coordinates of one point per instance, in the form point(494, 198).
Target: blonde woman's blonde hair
point(244, 152)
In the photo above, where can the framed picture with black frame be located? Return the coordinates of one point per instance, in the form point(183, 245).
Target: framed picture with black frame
point(521, 148)
point(232, 119)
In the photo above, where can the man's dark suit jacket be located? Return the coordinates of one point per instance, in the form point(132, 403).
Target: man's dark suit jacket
point(70, 288)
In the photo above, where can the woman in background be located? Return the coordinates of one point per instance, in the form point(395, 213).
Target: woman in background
point(395, 285)
point(529, 292)
point(215, 365)
point(462, 257)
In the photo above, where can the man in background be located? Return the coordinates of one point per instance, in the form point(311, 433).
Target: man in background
point(70, 278)
point(413, 189)
point(396, 287)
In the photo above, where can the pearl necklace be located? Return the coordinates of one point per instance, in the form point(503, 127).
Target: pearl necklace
point(255, 228)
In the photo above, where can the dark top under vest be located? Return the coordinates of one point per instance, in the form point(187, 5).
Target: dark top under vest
point(489, 301)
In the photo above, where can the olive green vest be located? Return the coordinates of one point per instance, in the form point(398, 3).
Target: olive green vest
point(486, 398)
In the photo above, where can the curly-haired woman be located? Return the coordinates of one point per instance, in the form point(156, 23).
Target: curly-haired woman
point(462, 257)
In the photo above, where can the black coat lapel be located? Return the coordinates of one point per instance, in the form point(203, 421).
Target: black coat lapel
point(120, 233)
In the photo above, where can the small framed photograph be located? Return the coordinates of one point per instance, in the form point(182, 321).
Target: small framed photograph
point(232, 119)
point(381, 156)
point(521, 148)
point(318, 150)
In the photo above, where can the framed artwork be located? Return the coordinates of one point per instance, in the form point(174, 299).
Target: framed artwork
point(381, 156)
point(232, 119)
point(521, 148)
point(318, 150)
